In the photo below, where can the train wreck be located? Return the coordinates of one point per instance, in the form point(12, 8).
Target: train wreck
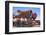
point(25, 19)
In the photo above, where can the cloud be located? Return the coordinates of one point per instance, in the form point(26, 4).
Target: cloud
point(16, 14)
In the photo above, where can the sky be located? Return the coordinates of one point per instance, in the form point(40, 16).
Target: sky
point(35, 10)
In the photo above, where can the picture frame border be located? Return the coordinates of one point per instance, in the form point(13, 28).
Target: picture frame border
point(7, 16)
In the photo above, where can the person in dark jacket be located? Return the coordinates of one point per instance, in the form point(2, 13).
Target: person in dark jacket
point(34, 15)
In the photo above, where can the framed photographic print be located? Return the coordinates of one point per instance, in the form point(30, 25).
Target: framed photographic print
point(24, 17)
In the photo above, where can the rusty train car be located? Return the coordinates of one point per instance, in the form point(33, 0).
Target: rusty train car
point(24, 14)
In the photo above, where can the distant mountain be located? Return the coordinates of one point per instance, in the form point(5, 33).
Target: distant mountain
point(38, 18)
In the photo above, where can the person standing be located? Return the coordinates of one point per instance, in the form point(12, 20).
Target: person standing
point(34, 15)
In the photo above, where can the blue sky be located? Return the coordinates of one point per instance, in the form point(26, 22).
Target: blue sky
point(35, 10)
